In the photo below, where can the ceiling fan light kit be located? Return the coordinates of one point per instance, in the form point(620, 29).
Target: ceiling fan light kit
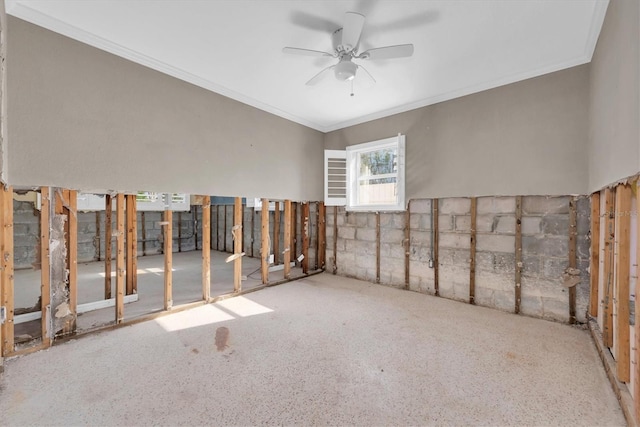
point(345, 47)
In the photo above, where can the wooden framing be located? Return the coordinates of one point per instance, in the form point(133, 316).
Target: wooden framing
point(594, 265)
point(335, 240)
point(68, 200)
point(573, 244)
point(287, 239)
point(636, 327)
point(168, 259)
point(45, 272)
point(622, 250)
point(518, 256)
point(6, 247)
point(237, 244)
point(217, 227)
point(253, 227)
point(108, 235)
point(407, 244)
point(264, 247)
point(132, 245)
point(224, 242)
point(609, 234)
point(434, 213)
point(322, 236)
point(206, 248)
point(294, 231)
point(276, 234)
point(305, 237)
point(377, 247)
point(120, 261)
point(472, 251)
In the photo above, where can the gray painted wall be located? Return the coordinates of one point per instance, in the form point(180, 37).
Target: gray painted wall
point(83, 118)
point(614, 132)
point(526, 138)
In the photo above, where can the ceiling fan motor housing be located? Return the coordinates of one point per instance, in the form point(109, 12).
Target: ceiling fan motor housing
point(345, 70)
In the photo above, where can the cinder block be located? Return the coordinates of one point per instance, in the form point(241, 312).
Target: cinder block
point(391, 235)
point(386, 220)
point(532, 265)
point(463, 223)
point(496, 243)
point(555, 224)
point(531, 225)
point(506, 224)
point(583, 224)
point(454, 240)
point(499, 205)
point(545, 205)
point(455, 205)
point(425, 222)
point(361, 219)
point(549, 246)
point(552, 268)
point(420, 237)
point(484, 261)
point(486, 223)
point(504, 263)
point(421, 206)
point(399, 221)
point(366, 234)
point(346, 232)
point(445, 222)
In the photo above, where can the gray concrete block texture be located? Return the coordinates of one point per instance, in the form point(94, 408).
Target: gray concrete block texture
point(545, 240)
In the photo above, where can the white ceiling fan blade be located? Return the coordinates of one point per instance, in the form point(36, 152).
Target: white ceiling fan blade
point(353, 24)
point(388, 52)
point(368, 78)
point(306, 52)
point(320, 76)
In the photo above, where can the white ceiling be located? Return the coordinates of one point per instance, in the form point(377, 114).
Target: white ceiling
point(235, 47)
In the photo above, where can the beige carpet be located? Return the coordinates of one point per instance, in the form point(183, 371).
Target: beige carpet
point(319, 351)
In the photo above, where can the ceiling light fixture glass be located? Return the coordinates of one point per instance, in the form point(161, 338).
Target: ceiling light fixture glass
point(345, 70)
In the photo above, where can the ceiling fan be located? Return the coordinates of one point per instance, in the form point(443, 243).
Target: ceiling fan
point(345, 48)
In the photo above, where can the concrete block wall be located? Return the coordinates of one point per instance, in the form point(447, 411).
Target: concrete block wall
point(545, 240)
point(26, 235)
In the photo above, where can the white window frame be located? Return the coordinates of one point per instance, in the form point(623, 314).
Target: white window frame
point(353, 151)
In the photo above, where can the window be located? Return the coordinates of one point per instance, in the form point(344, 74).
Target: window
point(375, 175)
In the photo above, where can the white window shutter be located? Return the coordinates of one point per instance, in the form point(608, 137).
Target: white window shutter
point(335, 177)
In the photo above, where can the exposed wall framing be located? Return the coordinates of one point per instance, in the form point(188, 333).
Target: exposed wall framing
point(206, 248)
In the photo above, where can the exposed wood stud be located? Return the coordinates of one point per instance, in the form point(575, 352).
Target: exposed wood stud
point(622, 250)
point(434, 213)
point(294, 231)
point(253, 228)
point(45, 272)
point(206, 248)
point(244, 238)
point(132, 245)
point(518, 255)
point(224, 242)
point(573, 262)
point(143, 231)
point(108, 233)
point(237, 244)
point(322, 236)
point(472, 252)
point(168, 259)
point(636, 327)
point(6, 248)
point(377, 247)
point(305, 237)
point(217, 227)
point(120, 262)
point(287, 239)
point(72, 256)
point(594, 265)
point(407, 245)
point(264, 247)
point(609, 234)
point(335, 240)
point(276, 234)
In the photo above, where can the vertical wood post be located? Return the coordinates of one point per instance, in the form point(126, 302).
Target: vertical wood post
point(108, 235)
point(305, 237)
point(217, 227)
point(206, 248)
point(253, 227)
point(294, 231)
point(168, 259)
point(622, 250)
point(434, 213)
point(237, 244)
point(335, 240)
point(132, 245)
point(377, 247)
point(636, 327)
point(45, 272)
point(72, 256)
point(264, 247)
point(609, 234)
point(594, 265)
point(120, 262)
point(573, 242)
point(322, 236)
point(472, 252)
point(276, 234)
point(518, 255)
point(407, 245)
point(6, 248)
point(287, 239)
